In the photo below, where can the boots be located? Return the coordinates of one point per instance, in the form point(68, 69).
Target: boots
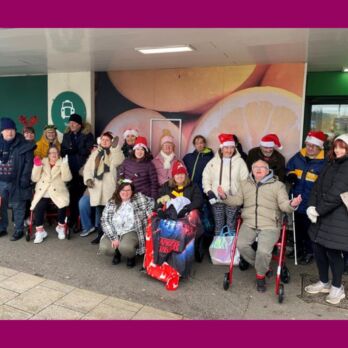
point(130, 262)
point(97, 239)
point(261, 284)
point(117, 257)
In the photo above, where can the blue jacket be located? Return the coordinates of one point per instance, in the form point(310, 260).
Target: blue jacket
point(307, 171)
point(195, 163)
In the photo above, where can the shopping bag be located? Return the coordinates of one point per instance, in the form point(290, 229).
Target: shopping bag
point(221, 246)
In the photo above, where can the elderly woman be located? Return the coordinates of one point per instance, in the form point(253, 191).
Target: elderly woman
point(51, 175)
point(140, 169)
point(100, 173)
point(227, 169)
point(165, 159)
point(124, 221)
point(329, 221)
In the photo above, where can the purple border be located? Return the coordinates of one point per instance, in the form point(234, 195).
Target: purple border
point(175, 14)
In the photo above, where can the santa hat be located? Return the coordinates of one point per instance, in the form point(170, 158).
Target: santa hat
point(226, 140)
point(130, 131)
point(140, 142)
point(271, 140)
point(316, 138)
point(343, 137)
point(178, 168)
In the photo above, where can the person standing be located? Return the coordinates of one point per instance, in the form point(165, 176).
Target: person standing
point(329, 220)
point(129, 136)
point(16, 162)
point(48, 139)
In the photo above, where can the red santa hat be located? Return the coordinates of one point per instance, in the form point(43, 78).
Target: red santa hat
point(316, 138)
point(130, 131)
point(271, 140)
point(178, 168)
point(140, 142)
point(226, 140)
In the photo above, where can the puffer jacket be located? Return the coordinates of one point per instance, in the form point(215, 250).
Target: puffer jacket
point(331, 229)
point(215, 168)
point(52, 180)
point(103, 189)
point(307, 171)
point(263, 202)
point(43, 145)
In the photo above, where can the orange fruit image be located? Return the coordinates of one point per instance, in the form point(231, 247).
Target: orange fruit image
point(251, 114)
point(191, 90)
point(287, 76)
point(141, 120)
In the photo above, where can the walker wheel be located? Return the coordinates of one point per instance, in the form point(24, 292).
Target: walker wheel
point(226, 284)
point(281, 293)
point(27, 236)
point(285, 275)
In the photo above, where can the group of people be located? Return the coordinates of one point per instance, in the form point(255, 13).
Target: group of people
point(114, 187)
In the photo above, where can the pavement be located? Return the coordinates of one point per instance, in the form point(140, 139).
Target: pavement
point(67, 279)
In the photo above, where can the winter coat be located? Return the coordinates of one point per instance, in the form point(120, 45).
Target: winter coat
point(195, 163)
point(307, 171)
point(21, 155)
point(212, 173)
point(127, 150)
point(52, 180)
point(43, 145)
point(103, 189)
point(276, 161)
point(191, 191)
point(78, 154)
point(331, 229)
point(163, 174)
point(262, 202)
point(142, 173)
point(142, 206)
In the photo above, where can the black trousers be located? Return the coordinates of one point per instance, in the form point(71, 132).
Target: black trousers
point(326, 258)
point(41, 209)
point(303, 242)
point(76, 190)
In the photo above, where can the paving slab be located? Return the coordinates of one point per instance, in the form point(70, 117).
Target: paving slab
point(54, 312)
point(21, 282)
point(122, 304)
point(105, 312)
point(150, 313)
point(10, 313)
point(7, 295)
point(52, 284)
point(8, 272)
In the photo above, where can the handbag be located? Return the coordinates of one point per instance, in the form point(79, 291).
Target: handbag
point(221, 247)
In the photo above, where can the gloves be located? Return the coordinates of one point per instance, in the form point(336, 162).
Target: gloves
point(65, 159)
point(37, 161)
point(114, 142)
point(292, 179)
point(212, 197)
point(312, 214)
point(90, 183)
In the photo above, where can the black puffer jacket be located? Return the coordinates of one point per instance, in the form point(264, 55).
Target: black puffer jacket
point(331, 229)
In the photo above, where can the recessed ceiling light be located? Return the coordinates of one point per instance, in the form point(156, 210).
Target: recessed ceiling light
point(345, 69)
point(165, 49)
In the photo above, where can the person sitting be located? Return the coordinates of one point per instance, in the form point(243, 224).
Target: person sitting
point(129, 136)
point(268, 153)
point(51, 175)
point(124, 221)
point(48, 139)
point(264, 198)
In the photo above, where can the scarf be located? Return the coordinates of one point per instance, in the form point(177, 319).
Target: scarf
point(102, 163)
point(167, 159)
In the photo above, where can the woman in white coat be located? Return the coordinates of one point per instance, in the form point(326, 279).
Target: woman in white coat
point(226, 170)
point(50, 175)
point(100, 173)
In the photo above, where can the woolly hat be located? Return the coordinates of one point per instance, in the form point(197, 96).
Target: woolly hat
point(130, 131)
point(76, 118)
point(140, 142)
point(7, 123)
point(343, 137)
point(271, 140)
point(316, 138)
point(178, 168)
point(226, 140)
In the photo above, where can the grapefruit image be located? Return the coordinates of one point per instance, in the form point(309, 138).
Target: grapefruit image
point(141, 119)
point(251, 114)
point(190, 90)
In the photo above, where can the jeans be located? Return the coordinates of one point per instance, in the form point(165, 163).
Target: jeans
point(88, 221)
point(18, 209)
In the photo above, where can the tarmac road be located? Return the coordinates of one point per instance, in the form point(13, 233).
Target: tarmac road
point(75, 262)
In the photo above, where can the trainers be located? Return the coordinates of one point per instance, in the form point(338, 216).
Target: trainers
point(61, 231)
point(318, 287)
point(86, 233)
point(336, 295)
point(40, 236)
